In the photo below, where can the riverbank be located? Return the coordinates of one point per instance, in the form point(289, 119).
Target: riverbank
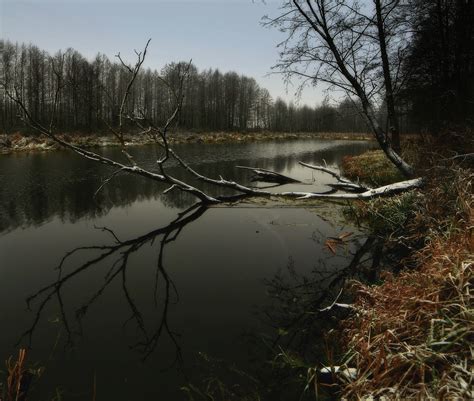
point(410, 335)
point(410, 321)
point(32, 143)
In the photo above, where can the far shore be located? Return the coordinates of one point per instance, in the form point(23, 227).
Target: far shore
point(32, 143)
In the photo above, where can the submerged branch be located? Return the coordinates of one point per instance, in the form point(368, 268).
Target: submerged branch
point(265, 175)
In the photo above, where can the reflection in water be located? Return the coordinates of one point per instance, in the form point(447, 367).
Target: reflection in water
point(39, 186)
point(217, 263)
point(293, 315)
point(117, 257)
point(298, 308)
point(306, 310)
point(301, 317)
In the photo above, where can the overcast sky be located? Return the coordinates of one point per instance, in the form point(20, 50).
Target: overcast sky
point(224, 34)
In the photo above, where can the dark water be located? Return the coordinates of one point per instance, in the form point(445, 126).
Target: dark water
point(134, 316)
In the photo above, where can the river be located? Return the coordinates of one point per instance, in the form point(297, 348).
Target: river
point(134, 319)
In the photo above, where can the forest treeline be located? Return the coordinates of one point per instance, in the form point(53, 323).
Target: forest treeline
point(437, 90)
point(91, 94)
point(439, 66)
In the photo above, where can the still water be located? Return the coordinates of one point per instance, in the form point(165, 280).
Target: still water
point(132, 312)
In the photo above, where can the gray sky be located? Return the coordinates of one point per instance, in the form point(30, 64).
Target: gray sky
point(224, 34)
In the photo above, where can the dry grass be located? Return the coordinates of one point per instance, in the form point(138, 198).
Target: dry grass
point(372, 168)
point(412, 336)
point(18, 142)
point(18, 378)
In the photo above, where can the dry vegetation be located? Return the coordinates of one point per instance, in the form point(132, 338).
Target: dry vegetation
point(19, 142)
point(412, 336)
point(17, 378)
point(372, 168)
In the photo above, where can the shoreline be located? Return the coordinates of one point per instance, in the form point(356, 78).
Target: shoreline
point(421, 302)
point(19, 143)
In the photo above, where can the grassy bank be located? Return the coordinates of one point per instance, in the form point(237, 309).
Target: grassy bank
point(26, 143)
point(372, 168)
point(412, 334)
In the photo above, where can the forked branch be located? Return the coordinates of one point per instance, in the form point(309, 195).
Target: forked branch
point(160, 137)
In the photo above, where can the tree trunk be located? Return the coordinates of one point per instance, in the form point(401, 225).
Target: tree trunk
point(394, 128)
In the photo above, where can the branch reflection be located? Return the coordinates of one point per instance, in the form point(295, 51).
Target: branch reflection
point(298, 319)
point(297, 312)
point(117, 256)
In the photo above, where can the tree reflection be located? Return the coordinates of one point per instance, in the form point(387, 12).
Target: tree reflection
point(298, 320)
point(298, 312)
point(62, 185)
point(117, 256)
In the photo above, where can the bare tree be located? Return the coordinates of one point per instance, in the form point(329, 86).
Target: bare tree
point(92, 93)
point(347, 45)
point(129, 111)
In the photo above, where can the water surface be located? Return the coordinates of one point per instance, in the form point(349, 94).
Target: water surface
point(135, 315)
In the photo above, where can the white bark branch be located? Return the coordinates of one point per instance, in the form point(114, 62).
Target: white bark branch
point(344, 183)
point(161, 140)
point(371, 193)
point(262, 174)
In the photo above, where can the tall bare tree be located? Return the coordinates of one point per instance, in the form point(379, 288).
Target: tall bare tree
point(348, 45)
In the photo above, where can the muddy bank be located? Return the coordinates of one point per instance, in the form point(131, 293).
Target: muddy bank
point(23, 143)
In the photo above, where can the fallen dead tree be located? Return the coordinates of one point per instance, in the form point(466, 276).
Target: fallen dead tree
point(341, 189)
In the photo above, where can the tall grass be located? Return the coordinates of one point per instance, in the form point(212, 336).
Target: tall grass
point(412, 336)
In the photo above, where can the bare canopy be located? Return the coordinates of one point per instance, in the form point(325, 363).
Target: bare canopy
point(354, 47)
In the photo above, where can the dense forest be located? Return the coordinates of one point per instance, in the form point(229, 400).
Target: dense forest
point(437, 90)
point(439, 66)
point(91, 92)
